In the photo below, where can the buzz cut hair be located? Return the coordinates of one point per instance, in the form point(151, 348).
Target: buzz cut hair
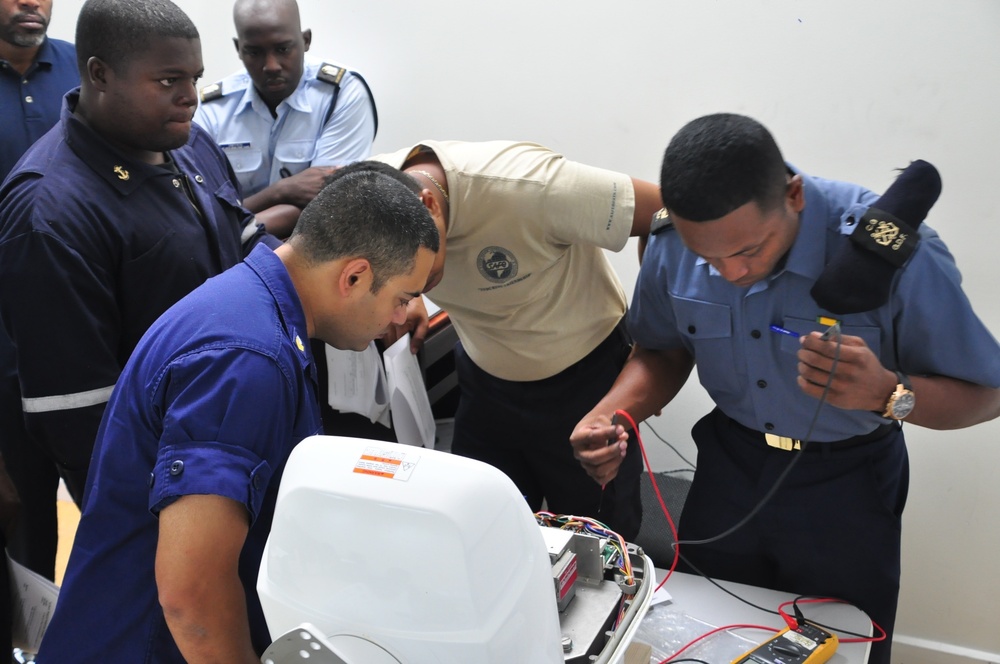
point(366, 214)
point(718, 163)
point(116, 30)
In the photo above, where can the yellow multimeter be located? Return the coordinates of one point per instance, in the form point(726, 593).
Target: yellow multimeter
point(805, 644)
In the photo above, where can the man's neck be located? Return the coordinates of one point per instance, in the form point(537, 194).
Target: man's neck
point(19, 57)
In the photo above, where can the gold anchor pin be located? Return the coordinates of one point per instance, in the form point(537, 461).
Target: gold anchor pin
point(122, 173)
point(298, 342)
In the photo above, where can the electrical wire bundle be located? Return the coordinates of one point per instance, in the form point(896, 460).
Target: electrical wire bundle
point(618, 554)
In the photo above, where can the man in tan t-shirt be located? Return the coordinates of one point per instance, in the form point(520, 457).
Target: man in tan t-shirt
point(537, 307)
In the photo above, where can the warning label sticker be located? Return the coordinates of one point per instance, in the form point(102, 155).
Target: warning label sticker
point(383, 462)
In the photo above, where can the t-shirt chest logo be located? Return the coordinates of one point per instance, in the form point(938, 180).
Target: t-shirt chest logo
point(497, 264)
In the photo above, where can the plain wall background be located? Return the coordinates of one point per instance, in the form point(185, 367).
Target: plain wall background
point(851, 90)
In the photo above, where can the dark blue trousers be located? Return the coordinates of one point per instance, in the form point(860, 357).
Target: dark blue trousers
point(523, 428)
point(832, 529)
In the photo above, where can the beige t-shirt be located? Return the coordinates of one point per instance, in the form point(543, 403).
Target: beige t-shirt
point(526, 283)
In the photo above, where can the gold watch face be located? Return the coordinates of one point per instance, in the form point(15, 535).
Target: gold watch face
point(902, 404)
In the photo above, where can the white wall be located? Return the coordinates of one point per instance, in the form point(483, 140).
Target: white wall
point(851, 89)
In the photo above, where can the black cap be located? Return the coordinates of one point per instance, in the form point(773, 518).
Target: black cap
point(859, 276)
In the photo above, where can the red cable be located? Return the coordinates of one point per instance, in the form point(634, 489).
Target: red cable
point(717, 629)
point(789, 620)
point(793, 623)
point(659, 498)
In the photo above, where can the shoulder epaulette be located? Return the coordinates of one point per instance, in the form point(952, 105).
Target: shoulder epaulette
point(329, 73)
point(661, 222)
point(211, 92)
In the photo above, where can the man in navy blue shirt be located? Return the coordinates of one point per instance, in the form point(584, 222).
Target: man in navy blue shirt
point(35, 73)
point(746, 241)
point(191, 449)
point(115, 214)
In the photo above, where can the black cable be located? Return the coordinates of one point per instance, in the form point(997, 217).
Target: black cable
point(723, 588)
point(798, 613)
point(795, 459)
point(664, 441)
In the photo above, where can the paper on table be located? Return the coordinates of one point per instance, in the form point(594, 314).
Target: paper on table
point(357, 383)
point(412, 418)
point(33, 598)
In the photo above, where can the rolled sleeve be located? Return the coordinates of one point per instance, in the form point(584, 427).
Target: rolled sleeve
point(228, 418)
point(206, 467)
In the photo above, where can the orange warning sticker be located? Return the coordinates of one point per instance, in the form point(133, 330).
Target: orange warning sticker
point(381, 462)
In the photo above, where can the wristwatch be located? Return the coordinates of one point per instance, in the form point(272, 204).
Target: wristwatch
point(902, 401)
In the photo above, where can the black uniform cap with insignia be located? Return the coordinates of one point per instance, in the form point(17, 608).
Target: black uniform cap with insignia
point(859, 276)
point(211, 92)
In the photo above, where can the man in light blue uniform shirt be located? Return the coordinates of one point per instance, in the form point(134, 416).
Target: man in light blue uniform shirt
point(747, 239)
point(285, 120)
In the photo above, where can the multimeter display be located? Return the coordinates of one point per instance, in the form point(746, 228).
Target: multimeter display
point(806, 644)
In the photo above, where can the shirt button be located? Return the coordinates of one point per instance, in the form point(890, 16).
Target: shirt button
point(761, 384)
point(177, 183)
point(768, 426)
point(29, 99)
point(198, 179)
point(257, 482)
point(755, 334)
point(176, 468)
point(152, 477)
point(692, 329)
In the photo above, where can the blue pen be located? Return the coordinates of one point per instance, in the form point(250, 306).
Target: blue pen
point(781, 330)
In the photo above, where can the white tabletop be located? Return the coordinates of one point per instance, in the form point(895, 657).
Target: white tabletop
point(697, 607)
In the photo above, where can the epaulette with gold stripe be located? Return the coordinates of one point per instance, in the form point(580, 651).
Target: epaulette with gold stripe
point(329, 73)
point(211, 92)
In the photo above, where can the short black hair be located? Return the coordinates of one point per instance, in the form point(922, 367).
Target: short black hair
point(370, 215)
point(116, 30)
point(718, 163)
point(372, 166)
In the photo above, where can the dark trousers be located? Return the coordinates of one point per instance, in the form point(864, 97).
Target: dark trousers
point(34, 474)
point(523, 428)
point(832, 529)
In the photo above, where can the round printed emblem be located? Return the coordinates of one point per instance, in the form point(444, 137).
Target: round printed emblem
point(497, 264)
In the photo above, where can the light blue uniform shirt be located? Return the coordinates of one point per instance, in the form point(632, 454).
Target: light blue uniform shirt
point(260, 146)
point(927, 327)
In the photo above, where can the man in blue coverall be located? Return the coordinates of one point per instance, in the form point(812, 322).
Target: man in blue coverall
point(746, 241)
point(111, 217)
point(191, 450)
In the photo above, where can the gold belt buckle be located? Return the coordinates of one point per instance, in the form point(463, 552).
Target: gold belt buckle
point(782, 442)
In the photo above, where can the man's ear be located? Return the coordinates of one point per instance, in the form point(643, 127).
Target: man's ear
point(355, 276)
point(795, 193)
point(97, 73)
point(307, 37)
point(236, 43)
point(431, 203)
